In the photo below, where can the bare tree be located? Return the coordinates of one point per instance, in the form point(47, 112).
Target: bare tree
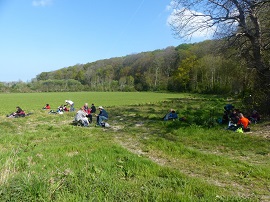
point(246, 23)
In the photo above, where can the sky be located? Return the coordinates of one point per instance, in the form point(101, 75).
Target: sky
point(45, 35)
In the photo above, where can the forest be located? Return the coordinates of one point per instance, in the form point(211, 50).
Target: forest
point(205, 67)
point(198, 68)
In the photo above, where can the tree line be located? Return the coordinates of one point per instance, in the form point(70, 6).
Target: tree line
point(199, 68)
point(204, 67)
point(187, 68)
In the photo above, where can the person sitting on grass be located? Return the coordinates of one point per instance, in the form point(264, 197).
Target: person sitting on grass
point(18, 113)
point(93, 108)
point(233, 119)
point(47, 106)
point(172, 115)
point(255, 117)
point(65, 108)
point(81, 116)
point(88, 111)
point(60, 109)
point(102, 116)
point(243, 123)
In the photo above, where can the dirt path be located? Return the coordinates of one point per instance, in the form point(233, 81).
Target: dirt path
point(263, 131)
point(243, 190)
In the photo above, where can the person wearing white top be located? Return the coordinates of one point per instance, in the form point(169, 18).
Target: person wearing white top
point(71, 104)
point(81, 116)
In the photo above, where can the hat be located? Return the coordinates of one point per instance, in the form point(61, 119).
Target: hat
point(100, 107)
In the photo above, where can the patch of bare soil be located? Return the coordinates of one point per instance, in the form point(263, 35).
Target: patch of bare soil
point(263, 131)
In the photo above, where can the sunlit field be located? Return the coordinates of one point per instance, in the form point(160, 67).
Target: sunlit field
point(140, 157)
point(34, 101)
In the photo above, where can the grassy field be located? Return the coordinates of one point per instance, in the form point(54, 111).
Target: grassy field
point(139, 158)
point(34, 101)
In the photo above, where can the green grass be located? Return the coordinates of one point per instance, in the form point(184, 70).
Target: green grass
point(139, 158)
point(33, 101)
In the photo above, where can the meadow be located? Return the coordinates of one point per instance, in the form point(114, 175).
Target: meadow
point(34, 101)
point(139, 157)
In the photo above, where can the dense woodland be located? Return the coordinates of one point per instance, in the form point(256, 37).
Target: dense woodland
point(201, 67)
point(205, 67)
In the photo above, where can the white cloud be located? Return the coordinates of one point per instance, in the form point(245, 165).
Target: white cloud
point(191, 23)
point(41, 2)
point(171, 6)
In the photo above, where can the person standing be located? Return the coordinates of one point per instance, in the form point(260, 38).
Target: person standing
point(71, 104)
point(102, 116)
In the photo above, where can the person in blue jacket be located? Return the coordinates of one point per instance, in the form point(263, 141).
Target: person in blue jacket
point(172, 115)
point(102, 116)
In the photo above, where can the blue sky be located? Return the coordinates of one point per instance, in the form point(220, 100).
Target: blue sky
point(45, 35)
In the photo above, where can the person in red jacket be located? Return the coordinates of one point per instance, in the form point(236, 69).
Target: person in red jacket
point(243, 122)
point(47, 106)
point(88, 111)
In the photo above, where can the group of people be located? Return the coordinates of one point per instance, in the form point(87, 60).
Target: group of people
point(233, 117)
point(237, 121)
point(62, 108)
point(85, 115)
